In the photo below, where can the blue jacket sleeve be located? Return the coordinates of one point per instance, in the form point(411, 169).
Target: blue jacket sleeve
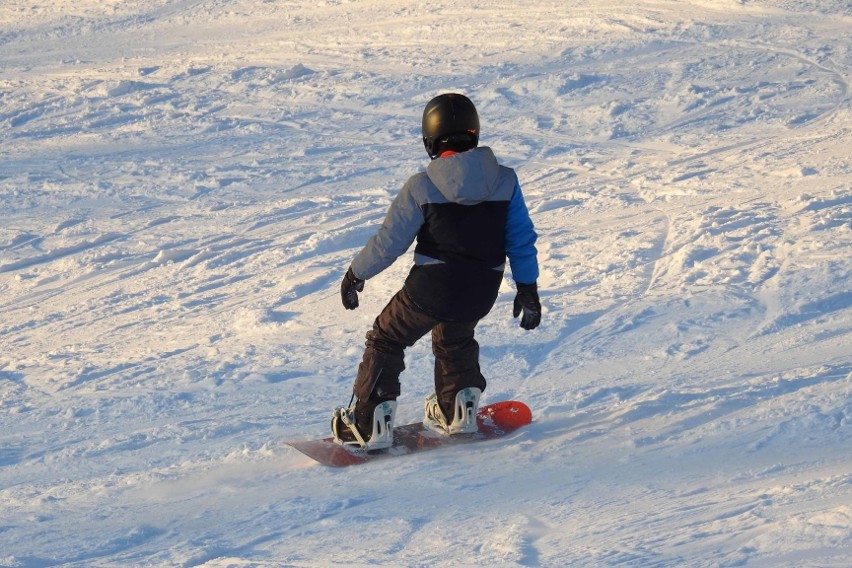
point(520, 240)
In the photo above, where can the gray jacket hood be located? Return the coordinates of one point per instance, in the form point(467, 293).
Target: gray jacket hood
point(467, 178)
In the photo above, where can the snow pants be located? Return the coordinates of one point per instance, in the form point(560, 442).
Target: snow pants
point(399, 326)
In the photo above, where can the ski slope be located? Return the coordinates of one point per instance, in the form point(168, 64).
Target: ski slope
point(184, 182)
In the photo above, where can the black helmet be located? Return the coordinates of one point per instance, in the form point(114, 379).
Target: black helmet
point(450, 122)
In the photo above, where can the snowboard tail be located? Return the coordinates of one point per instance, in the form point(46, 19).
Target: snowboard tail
point(494, 421)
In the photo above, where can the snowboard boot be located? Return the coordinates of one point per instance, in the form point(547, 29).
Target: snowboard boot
point(367, 425)
point(463, 418)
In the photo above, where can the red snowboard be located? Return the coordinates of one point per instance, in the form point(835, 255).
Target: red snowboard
point(494, 420)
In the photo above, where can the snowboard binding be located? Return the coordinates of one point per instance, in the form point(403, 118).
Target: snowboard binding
point(346, 431)
point(463, 419)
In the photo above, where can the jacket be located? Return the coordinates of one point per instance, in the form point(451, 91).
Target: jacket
point(467, 214)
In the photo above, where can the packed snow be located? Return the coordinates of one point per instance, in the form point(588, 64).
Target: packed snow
point(183, 184)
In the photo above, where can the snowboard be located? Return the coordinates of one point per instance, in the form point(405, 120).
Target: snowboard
point(494, 420)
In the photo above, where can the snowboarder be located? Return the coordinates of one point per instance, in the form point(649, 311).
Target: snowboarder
point(467, 214)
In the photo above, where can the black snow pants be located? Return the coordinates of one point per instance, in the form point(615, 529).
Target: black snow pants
point(400, 325)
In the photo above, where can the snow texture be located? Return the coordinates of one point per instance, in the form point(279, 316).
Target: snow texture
point(184, 182)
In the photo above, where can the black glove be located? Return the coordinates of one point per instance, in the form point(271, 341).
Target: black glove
point(349, 289)
point(526, 300)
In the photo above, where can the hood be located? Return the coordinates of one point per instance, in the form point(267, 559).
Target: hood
point(467, 178)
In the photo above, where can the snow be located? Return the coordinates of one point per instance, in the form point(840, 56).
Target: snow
point(184, 182)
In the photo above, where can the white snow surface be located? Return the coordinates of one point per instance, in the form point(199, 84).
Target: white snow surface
point(183, 184)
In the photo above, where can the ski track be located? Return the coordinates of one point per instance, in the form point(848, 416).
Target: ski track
point(183, 184)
